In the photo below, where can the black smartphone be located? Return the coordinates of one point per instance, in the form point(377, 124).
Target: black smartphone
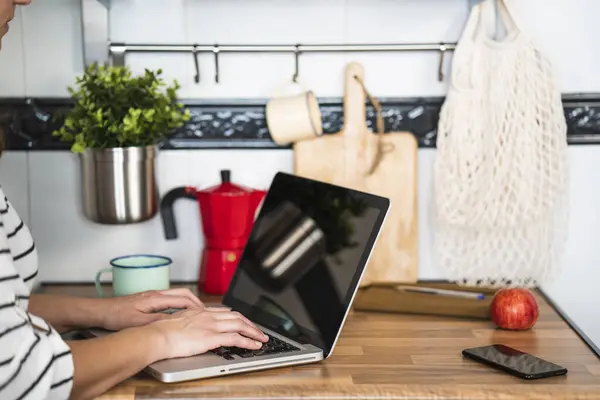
point(514, 362)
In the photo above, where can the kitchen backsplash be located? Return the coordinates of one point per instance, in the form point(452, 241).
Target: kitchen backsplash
point(28, 123)
point(45, 188)
point(41, 177)
point(43, 55)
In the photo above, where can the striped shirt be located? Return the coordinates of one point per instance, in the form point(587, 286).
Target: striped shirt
point(35, 363)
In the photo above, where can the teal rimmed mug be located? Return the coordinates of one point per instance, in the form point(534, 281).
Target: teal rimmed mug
point(137, 273)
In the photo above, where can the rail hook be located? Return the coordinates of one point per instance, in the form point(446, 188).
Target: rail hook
point(443, 49)
point(297, 66)
point(195, 54)
point(216, 53)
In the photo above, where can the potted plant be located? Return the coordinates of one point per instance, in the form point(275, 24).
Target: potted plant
point(116, 125)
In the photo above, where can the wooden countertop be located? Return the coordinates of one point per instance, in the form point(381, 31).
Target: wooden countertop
point(391, 356)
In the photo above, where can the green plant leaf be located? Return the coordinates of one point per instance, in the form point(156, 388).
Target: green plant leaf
point(77, 147)
point(113, 108)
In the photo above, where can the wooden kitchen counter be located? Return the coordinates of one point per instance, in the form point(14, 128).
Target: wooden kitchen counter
point(391, 356)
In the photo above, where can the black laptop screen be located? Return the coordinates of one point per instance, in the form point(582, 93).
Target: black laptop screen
point(304, 258)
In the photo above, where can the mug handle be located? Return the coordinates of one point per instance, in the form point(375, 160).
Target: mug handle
point(289, 89)
point(98, 285)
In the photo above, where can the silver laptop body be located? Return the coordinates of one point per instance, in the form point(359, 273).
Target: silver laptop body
point(288, 282)
point(210, 364)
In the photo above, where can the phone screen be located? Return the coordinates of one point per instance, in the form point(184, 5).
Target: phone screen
point(507, 358)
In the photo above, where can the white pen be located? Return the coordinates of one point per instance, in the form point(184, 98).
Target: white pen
point(443, 292)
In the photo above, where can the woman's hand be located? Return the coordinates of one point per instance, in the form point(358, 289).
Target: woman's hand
point(198, 330)
point(144, 308)
point(185, 333)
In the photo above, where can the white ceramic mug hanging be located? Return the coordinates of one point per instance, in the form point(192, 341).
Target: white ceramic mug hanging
point(500, 175)
point(293, 114)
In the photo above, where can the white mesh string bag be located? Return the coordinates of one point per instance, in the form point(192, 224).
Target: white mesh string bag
point(500, 174)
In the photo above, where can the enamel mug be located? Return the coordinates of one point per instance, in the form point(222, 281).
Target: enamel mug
point(137, 273)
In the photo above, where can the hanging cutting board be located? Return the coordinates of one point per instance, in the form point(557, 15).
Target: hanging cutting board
point(342, 158)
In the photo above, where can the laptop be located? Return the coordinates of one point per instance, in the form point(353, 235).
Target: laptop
point(296, 279)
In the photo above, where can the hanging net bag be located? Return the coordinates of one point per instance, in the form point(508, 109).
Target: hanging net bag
point(500, 174)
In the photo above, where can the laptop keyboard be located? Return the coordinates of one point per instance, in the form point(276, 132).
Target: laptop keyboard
point(273, 346)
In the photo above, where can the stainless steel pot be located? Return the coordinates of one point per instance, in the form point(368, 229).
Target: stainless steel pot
point(119, 184)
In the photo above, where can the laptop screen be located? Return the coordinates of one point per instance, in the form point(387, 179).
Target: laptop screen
point(304, 258)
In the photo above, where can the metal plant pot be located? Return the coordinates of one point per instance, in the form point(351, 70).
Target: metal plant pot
point(119, 184)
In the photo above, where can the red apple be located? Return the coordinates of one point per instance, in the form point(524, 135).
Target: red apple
point(514, 309)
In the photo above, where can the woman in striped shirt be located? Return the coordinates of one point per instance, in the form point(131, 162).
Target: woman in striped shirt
point(35, 362)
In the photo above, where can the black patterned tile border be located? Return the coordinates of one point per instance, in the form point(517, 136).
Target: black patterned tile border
point(28, 123)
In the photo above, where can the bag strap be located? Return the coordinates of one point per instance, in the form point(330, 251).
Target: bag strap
point(489, 18)
point(470, 29)
point(480, 26)
point(465, 43)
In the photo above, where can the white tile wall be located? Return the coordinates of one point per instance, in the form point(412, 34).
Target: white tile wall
point(14, 172)
point(564, 30)
point(52, 47)
point(12, 74)
point(73, 248)
point(50, 42)
point(576, 290)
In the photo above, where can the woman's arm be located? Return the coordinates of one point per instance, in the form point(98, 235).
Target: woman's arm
point(66, 313)
point(102, 363)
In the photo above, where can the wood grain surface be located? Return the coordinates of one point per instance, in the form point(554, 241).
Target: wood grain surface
point(391, 298)
point(385, 355)
point(343, 158)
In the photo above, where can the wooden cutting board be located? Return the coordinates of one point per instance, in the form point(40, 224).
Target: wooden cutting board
point(342, 158)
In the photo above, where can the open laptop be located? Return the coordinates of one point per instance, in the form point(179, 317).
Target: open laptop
point(296, 279)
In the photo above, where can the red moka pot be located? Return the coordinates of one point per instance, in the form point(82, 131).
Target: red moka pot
point(227, 214)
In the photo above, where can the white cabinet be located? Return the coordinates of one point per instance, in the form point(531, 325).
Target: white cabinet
point(52, 43)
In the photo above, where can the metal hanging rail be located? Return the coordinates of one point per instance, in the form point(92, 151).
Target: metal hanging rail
point(118, 51)
point(280, 48)
point(95, 28)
